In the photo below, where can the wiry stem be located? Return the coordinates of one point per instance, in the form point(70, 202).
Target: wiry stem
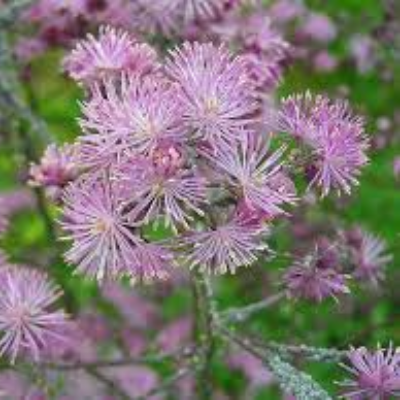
point(204, 333)
point(241, 314)
point(166, 384)
point(109, 383)
point(149, 359)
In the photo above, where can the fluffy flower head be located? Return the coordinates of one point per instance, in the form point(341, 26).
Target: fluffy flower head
point(112, 52)
point(27, 322)
point(310, 279)
point(376, 375)
point(217, 95)
point(335, 137)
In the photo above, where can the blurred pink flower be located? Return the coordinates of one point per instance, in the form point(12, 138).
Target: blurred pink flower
point(254, 370)
point(17, 200)
point(28, 48)
point(26, 322)
point(325, 62)
point(370, 258)
point(138, 312)
point(362, 48)
point(319, 27)
point(314, 278)
point(175, 335)
point(56, 169)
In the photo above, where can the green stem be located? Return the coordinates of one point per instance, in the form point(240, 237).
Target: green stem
point(204, 315)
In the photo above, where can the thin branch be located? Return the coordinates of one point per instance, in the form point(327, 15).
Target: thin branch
point(167, 384)
point(204, 331)
point(241, 314)
point(109, 383)
point(244, 343)
point(149, 359)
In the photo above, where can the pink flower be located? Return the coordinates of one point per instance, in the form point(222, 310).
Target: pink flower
point(370, 259)
point(137, 311)
point(253, 173)
point(325, 62)
point(156, 16)
point(150, 194)
point(139, 115)
point(254, 370)
point(26, 322)
point(175, 335)
point(312, 279)
point(104, 244)
point(319, 27)
point(284, 11)
point(375, 375)
point(108, 55)
point(28, 48)
point(363, 50)
point(217, 97)
point(135, 380)
point(16, 200)
point(224, 249)
point(335, 137)
point(200, 9)
point(56, 169)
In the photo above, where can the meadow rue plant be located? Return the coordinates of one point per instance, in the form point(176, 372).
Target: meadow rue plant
point(186, 169)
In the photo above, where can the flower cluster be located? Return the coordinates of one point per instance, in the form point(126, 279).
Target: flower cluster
point(181, 141)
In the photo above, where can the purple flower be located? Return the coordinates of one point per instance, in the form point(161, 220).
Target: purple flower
point(325, 62)
point(284, 11)
point(370, 259)
point(175, 335)
point(200, 9)
point(252, 368)
point(263, 72)
point(217, 96)
point(16, 200)
point(376, 375)
point(151, 191)
point(138, 116)
point(320, 28)
point(104, 245)
point(255, 175)
point(28, 48)
point(364, 52)
point(156, 16)
point(56, 169)
point(26, 322)
point(312, 279)
point(224, 249)
point(336, 139)
point(108, 55)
